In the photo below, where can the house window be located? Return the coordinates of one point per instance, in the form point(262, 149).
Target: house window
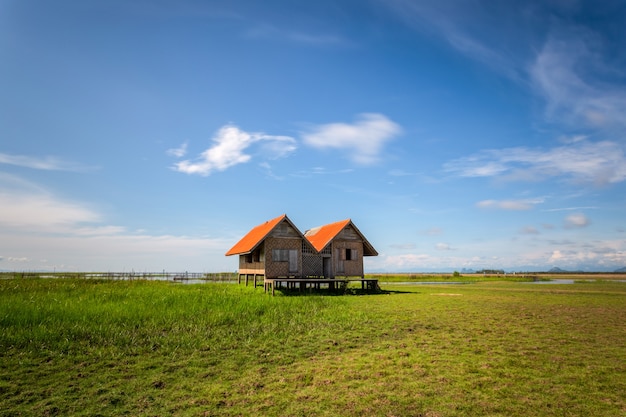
point(280, 255)
point(351, 254)
point(286, 255)
point(253, 257)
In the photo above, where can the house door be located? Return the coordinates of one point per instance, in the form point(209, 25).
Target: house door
point(293, 261)
point(340, 260)
point(326, 267)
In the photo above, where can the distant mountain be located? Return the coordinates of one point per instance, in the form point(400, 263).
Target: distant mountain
point(557, 269)
point(621, 269)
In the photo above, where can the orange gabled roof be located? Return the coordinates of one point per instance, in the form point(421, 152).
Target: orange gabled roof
point(321, 236)
point(255, 236)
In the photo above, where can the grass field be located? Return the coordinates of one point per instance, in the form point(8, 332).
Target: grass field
point(95, 347)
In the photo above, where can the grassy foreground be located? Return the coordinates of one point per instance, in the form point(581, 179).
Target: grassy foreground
point(84, 347)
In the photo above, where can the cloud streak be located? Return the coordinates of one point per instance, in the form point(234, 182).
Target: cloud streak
point(590, 162)
point(570, 73)
point(267, 31)
point(363, 140)
point(514, 205)
point(46, 163)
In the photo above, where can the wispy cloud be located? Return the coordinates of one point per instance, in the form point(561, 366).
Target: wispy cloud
point(457, 24)
point(13, 259)
point(46, 163)
point(442, 246)
point(106, 252)
point(41, 212)
point(269, 172)
point(403, 246)
point(573, 77)
point(229, 149)
point(178, 152)
point(433, 231)
point(515, 205)
point(29, 208)
point(574, 68)
point(267, 31)
point(572, 208)
point(529, 230)
point(576, 220)
point(317, 171)
point(592, 162)
point(42, 231)
point(363, 140)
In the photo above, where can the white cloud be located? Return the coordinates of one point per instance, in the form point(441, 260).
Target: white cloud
point(178, 152)
point(442, 246)
point(576, 220)
point(529, 230)
point(595, 162)
point(608, 255)
point(364, 139)
point(230, 144)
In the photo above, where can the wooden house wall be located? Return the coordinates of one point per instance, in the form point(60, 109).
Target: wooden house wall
point(312, 265)
point(353, 267)
point(348, 238)
point(275, 269)
point(253, 267)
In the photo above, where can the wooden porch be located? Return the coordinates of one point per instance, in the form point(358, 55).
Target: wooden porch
point(315, 283)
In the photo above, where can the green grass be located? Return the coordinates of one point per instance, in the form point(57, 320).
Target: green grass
point(86, 347)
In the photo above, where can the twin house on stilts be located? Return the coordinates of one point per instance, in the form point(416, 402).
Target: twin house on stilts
point(277, 249)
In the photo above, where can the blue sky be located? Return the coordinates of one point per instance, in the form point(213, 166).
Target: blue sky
point(149, 135)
